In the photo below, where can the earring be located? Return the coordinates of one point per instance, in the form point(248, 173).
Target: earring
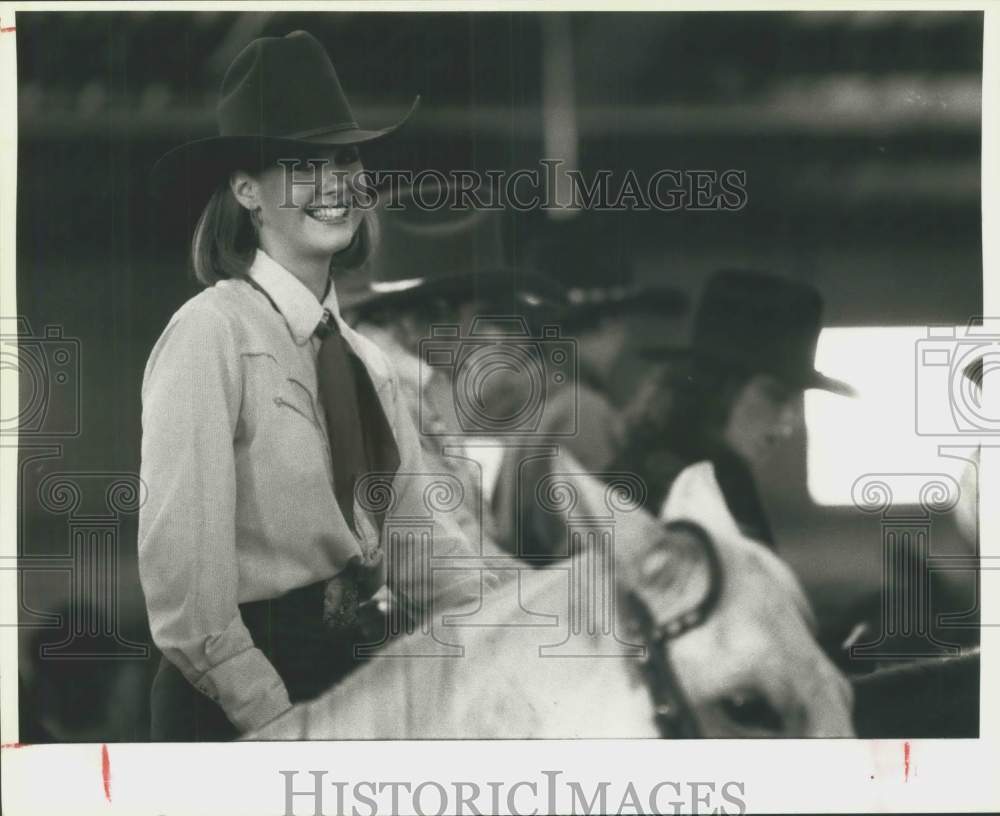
point(257, 216)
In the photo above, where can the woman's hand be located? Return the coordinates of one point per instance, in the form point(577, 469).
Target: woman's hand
point(363, 576)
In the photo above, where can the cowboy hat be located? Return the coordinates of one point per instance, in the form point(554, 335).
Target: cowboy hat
point(280, 97)
point(498, 288)
point(449, 255)
point(762, 323)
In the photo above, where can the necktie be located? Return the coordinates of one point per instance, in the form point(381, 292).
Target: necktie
point(361, 439)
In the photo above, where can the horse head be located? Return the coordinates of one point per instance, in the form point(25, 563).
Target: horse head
point(735, 629)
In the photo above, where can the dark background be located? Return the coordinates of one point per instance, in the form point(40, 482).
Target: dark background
point(859, 133)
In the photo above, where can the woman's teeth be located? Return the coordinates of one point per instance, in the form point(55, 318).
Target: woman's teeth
point(328, 215)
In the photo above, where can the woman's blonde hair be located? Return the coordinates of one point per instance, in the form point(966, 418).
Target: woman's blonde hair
point(225, 240)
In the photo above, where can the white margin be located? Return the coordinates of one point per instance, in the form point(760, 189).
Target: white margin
point(781, 776)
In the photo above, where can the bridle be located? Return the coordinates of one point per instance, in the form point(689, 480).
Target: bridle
point(673, 713)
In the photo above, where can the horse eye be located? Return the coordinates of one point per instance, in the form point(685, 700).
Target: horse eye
point(752, 711)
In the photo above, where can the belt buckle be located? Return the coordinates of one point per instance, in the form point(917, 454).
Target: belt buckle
point(373, 619)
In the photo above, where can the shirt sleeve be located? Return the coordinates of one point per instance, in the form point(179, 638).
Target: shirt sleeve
point(191, 397)
point(414, 486)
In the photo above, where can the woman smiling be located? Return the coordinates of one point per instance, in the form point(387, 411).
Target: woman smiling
point(263, 412)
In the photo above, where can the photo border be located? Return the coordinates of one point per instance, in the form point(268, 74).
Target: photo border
point(846, 775)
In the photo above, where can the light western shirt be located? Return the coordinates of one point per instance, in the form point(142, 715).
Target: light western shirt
point(236, 461)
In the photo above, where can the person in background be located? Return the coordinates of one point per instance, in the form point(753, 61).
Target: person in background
point(588, 417)
point(451, 269)
point(263, 412)
point(398, 316)
point(607, 324)
point(733, 396)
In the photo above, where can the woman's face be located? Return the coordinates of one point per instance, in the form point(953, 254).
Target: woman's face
point(765, 413)
point(309, 212)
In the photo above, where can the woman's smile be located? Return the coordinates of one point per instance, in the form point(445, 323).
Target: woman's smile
point(329, 213)
point(305, 221)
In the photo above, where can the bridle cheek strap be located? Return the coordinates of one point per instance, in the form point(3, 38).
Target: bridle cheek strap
point(672, 711)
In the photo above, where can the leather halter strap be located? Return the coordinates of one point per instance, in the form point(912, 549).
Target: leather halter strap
point(673, 714)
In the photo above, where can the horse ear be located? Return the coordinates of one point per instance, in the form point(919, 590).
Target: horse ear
point(677, 575)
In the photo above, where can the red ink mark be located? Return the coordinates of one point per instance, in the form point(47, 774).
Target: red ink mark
point(14, 745)
point(7, 29)
point(906, 761)
point(106, 771)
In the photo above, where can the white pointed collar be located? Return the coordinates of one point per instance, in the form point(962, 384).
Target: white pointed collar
point(300, 308)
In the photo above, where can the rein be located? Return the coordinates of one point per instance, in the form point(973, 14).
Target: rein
point(672, 711)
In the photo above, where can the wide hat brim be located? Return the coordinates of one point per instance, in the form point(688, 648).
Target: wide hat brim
point(195, 168)
point(664, 301)
point(492, 284)
point(799, 379)
point(760, 323)
point(816, 379)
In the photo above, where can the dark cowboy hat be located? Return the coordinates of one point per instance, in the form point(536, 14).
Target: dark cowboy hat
point(280, 98)
point(600, 280)
point(501, 289)
point(762, 323)
point(447, 254)
point(589, 306)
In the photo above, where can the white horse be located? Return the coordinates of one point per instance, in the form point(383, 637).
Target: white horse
point(558, 653)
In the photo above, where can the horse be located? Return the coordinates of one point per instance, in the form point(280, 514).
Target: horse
point(646, 630)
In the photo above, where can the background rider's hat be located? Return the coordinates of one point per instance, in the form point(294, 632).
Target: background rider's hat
point(589, 304)
point(762, 323)
point(451, 255)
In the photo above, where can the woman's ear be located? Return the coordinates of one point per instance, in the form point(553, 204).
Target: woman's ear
point(245, 189)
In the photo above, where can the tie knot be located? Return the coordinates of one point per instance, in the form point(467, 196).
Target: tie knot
point(327, 325)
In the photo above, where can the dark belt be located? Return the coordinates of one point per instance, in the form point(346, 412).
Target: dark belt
point(309, 655)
